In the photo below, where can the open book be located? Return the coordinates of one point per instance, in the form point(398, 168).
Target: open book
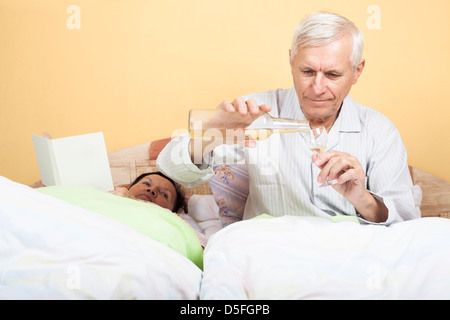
point(74, 161)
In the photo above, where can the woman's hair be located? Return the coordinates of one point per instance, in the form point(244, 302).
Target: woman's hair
point(179, 201)
point(323, 28)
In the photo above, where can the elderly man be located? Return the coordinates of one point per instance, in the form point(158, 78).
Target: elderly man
point(365, 156)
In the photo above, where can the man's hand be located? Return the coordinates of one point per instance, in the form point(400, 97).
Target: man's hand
point(350, 176)
point(243, 107)
point(345, 169)
point(248, 110)
point(249, 107)
point(122, 192)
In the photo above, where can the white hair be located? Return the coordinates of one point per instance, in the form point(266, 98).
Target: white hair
point(323, 28)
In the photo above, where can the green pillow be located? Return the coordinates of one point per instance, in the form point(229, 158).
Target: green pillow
point(152, 220)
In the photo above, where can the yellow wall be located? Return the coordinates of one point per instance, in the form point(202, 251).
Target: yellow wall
point(135, 67)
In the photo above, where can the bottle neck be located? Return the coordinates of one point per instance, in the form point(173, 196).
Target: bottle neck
point(289, 124)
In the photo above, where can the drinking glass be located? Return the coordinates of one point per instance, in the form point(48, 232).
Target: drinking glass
point(316, 140)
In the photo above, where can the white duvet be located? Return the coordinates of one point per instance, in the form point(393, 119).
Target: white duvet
point(315, 258)
point(50, 249)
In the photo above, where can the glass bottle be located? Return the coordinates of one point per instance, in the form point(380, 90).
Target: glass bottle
point(213, 124)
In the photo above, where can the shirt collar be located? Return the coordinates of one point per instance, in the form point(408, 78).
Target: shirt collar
point(348, 119)
point(290, 108)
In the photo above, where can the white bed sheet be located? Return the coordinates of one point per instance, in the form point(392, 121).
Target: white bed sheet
point(315, 258)
point(50, 249)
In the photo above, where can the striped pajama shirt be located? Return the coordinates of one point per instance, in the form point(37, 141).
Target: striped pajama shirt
point(282, 177)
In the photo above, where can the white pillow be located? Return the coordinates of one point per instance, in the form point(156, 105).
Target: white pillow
point(204, 210)
point(417, 192)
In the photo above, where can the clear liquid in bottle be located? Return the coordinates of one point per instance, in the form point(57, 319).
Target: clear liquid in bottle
point(217, 124)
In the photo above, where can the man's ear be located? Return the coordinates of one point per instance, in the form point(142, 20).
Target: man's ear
point(359, 70)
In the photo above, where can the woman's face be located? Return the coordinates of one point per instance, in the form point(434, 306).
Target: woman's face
point(155, 189)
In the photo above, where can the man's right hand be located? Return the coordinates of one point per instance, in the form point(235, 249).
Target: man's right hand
point(245, 108)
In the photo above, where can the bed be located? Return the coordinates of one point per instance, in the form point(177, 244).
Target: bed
point(75, 243)
point(312, 258)
point(66, 243)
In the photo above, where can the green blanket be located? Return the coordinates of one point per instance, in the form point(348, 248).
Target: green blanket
point(151, 220)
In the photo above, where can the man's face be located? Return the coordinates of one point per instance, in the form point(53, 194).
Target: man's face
point(322, 78)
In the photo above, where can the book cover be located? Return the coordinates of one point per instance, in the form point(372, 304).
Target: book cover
point(74, 161)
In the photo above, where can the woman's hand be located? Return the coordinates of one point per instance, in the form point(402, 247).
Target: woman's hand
point(122, 192)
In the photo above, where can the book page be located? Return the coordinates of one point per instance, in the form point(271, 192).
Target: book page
point(78, 160)
point(46, 162)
